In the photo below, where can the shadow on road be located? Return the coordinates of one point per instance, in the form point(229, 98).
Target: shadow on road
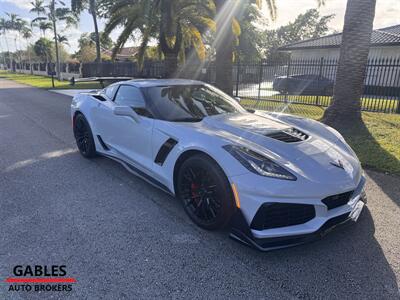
point(122, 231)
point(349, 261)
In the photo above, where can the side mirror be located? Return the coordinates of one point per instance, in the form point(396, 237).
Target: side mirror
point(127, 112)
point(237, 99)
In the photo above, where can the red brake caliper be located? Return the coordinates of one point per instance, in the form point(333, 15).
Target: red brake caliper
point(194, 188)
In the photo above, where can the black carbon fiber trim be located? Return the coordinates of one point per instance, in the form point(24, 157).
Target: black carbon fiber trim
point(165, 149)
point(102, 143)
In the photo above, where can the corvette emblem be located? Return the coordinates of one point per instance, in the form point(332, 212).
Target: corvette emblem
point(337, 164)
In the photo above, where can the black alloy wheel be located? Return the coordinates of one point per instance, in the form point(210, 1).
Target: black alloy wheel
point(205, 192)
point(83, 136)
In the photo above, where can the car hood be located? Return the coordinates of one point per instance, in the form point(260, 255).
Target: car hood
point(318, 158)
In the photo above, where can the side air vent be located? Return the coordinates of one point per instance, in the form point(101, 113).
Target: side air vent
point(164, 151)
point(102, 143)
point(291, 135)
point(98, 97)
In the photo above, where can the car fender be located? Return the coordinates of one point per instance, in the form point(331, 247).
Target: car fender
point(190, 138)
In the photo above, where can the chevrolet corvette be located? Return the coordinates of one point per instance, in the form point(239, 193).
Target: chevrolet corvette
point(275, 180)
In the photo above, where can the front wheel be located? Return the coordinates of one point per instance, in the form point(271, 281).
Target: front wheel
point(84, 137)
point(205, 192)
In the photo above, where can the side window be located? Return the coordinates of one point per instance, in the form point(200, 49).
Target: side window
point(129, 96)
point(110, 91)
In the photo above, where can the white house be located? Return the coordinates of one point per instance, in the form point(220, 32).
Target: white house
point(384, 57)
point(385, 43)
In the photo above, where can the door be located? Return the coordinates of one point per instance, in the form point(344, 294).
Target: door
point(129, 139)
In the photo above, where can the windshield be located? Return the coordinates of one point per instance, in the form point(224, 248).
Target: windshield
point(189, 102)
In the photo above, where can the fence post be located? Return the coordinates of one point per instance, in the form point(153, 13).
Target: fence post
point(319, 79)
point(287, 76)
point(398, 104)
point(237, 76)
point(260, 76)
point(398, 81)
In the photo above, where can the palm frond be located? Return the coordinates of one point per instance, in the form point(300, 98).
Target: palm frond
point(236, 27)
point(272, 8)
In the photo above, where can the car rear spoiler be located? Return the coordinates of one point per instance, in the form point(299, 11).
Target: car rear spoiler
point(101, 80)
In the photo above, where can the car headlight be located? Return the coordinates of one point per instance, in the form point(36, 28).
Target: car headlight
point(258, 164)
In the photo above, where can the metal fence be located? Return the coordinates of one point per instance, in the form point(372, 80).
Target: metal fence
point(130, 69)
point(310, 82)
point(306, 82)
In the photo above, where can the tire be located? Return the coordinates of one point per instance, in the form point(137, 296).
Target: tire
point(205, 192)
point(84, 137)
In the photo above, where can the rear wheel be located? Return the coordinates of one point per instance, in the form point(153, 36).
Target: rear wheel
point(84, 137)
point(205, 192)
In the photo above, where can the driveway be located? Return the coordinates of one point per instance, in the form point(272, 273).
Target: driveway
point(122, 238)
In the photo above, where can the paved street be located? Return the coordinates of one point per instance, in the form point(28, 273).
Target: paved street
point(122, 238)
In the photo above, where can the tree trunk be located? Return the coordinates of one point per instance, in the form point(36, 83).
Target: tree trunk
point(170, 52)
point(57, 53)
point(16, 53)
point(224, 48)
point(8, 49)
point(346, 108)
point(171, 64)
point(29, 57)
point(96, 29)
point(4, 59)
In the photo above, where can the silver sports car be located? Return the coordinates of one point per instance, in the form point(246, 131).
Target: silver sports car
point(276, 180)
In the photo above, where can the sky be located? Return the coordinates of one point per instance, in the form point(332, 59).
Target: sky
point(387, 13)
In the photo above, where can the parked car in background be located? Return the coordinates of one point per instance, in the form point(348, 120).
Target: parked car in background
point(305, 84)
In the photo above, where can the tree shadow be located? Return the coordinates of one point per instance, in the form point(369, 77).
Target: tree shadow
point(98, 210)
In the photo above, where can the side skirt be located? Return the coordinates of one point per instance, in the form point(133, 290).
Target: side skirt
point(134, 170)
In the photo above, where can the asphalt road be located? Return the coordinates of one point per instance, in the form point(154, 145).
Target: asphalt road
point(122, 238)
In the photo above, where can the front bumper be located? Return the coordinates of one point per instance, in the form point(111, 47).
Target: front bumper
point(324, 221)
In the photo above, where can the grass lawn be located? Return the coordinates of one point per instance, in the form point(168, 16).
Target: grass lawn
point(377, 144)
point(45, 82)
point(371, 103)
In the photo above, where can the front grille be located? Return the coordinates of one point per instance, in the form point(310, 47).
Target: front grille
point(337, 200)
point(290, 135)
point(275, 215)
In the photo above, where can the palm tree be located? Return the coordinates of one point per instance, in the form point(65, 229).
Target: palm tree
point(38, 7)
point(27, 35)
point(4, 28)
point(62, 40)
point(77, 6)
point(353, 59)
point(176, 23)
point(17, 24)
point(44, 26)
point(227, 28)
point(54, 15)
point(3, 53)
point(43, 48)
point(14, 24)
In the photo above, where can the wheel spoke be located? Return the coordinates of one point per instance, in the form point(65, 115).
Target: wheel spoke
point(200, 194)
